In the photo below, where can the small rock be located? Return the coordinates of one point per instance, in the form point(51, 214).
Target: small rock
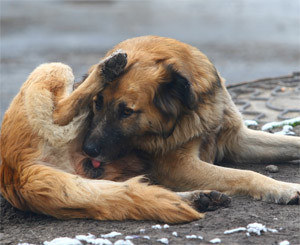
point(272, 168)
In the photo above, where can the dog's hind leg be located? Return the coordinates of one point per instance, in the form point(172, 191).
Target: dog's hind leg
point(106, 71)
point(182, 170)
point(52, 192)
point(257, 147)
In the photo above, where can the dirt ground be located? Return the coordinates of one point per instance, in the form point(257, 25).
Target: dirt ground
point(19, 227)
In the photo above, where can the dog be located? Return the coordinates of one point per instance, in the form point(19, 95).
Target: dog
point(42, 159)
point(172, 105)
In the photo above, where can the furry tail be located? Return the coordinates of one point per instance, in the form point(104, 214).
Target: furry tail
point(43, 189)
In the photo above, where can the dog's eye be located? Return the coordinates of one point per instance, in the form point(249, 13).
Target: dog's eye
point(99, 102)
point(127, 112)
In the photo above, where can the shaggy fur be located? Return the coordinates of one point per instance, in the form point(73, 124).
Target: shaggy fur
point(172, 105)
point(41, 138)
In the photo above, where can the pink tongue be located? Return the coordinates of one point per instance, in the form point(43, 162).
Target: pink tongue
point(96, 164)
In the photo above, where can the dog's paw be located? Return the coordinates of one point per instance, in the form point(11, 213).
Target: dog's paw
point(204, 201)
point(284, 193)
point(114, 65)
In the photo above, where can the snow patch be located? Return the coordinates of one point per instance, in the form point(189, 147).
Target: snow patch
point(111, 234)
point(166, 226)
point(215, 240)
point(123, 242)
point(250, 123)
point(193, 237)
point(235, 230)
point(85, 238)
point(131, 237)
point(100, 241)
point(255, 228)
point(285, 242)
point(156, 227)
point(142, 230)
point(63, 241)
point(174, 233)
point(286, 130)
point(163, 240)
point(292, 122)
point(146, 237)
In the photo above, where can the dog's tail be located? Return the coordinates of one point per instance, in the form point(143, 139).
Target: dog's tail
point(46, 190)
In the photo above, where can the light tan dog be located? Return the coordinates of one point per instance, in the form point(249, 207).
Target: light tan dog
point(171, 105)
point(41, 140)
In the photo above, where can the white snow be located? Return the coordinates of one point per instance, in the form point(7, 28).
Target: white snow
point(235, 230)
point(111, 234)
point(166, 226)
point(271, 125)
point(90, 238)
point(63, 241)
point(142, 230)
point(255, 228)
point(123, 242)
point(272, 230)
point(285, 242)
point(163, 240)
point(286, 130)
point(191, 236)
point(131, 237)
point(156, 227)
point(215, 240)
point(85, 238)
point(250, 123)
point(174, 233)
point(146, 237)
point(99, 241)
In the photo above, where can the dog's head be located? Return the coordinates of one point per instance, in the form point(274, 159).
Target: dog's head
point(164, 80)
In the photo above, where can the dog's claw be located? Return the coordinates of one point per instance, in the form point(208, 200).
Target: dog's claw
point(114, 65)
point(295, 200)
point(211, 201)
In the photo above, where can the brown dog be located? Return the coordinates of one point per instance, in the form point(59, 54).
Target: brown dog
point(41, 139)
point(171, 105)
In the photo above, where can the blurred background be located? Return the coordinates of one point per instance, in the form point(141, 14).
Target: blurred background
point(245, 39)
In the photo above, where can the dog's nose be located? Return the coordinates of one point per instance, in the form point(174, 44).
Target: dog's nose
point(90, 150)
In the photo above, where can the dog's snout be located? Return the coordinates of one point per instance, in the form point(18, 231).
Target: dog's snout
point(90, 149)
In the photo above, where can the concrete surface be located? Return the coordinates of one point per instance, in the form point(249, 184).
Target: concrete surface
point(245, 39)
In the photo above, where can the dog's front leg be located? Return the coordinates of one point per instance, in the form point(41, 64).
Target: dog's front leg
point(106, 71)
point(182, 170)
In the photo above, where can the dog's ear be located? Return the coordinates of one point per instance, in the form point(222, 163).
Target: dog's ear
point(174, 96)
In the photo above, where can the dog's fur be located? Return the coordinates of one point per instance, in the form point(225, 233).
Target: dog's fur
point(169, 112)
point(41, 140)
point(172, 105)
